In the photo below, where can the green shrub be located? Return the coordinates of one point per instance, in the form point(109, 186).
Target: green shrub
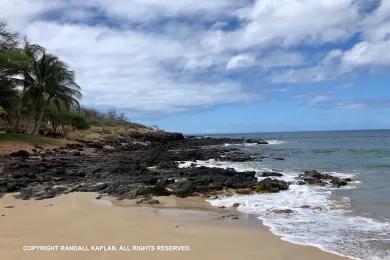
point(79, 123)
point(3, 113)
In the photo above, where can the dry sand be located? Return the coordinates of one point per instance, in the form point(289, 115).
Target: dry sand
point(78, 219)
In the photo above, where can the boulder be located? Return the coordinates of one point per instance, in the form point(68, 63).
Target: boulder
point(314, 181)
point(256, 141)
point(269, 174)
point(271, 185)
point(245, 191)
point(20, 153)
point(283, 211)
point(314, 174)
point(236, 205)
point(337, 182)
point(12, 186)
point(317, 178)
point(235, 157)
point(46, 195)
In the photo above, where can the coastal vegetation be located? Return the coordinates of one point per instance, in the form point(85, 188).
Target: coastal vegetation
point(39, 93)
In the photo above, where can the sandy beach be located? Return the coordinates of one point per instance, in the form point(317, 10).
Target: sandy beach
point(77, 219)
point(170, 130)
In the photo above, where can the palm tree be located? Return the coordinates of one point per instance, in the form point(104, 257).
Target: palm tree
point(23, 68)
point(50, 81)
point(34, 78)
point(12, 61)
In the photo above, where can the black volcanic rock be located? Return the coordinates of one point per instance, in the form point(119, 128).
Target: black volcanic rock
point(20, 153)
point(124, 167)
point(256, 141)
point(270, 174)
point(271, 185)
point(317, 178)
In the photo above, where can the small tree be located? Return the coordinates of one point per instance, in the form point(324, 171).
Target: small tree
point(79, 122)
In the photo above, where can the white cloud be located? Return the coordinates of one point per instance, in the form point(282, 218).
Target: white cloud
point(319, 98)
point(374, 49)
point(241, 60)
point(124, 69)
point(371, 52)
point(18, 13)
point(149, 10)
point(327, 68)
point(148, 59)
point(268, 60)
point(314, 99)
point(275, 59)
point(289, 23)
point(367, 53)
point(350, 105)
point(375, 27)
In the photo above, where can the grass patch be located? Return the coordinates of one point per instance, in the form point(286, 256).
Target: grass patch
point(28, 139)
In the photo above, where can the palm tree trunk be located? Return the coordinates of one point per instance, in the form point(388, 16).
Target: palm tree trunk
point(40, 117)
point(17, 122)
point(18, 116)
point(37, 123)
point(19, 111)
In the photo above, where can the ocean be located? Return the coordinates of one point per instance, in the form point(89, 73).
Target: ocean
point(352, 221)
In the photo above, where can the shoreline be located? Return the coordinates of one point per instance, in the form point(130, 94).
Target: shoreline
point(80, 219)
point(200, 203)
point(130, 168)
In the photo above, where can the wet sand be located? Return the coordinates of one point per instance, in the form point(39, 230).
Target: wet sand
point(78, 219)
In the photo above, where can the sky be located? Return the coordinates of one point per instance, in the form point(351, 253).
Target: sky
point(222, 66)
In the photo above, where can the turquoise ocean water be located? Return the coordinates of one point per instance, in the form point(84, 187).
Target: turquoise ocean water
point(352, 221)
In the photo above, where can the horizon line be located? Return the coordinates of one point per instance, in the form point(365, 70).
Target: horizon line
point(298, 131)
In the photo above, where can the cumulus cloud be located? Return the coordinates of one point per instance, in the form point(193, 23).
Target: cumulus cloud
point(152, 10)
point(268, 60)
point(159, 57)
point(363, 54)
point(18, 13)
point(367, 53)
point(241, 60)
point(372, 51)
point(327, 68)
point(375, 27)
point(125, 69)
point(289, 23)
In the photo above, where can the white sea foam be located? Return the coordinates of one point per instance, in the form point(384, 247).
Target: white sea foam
point(242, 166)
point(270, 142)
point(241, 144)
point(275, 142)
point(250, 144)
point(248, 166)
point(316, 220)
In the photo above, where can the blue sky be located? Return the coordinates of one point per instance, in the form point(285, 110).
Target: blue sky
point(225, 65)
